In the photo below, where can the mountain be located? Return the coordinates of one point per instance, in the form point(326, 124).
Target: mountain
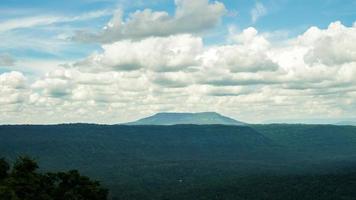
point(192, 161)
point(346, 123)
point(128, 158)
point(187, 118)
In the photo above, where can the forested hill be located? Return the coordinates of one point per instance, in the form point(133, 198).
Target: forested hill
point(143, 162)
point(178, 142)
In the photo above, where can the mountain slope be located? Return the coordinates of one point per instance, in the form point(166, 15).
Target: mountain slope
point(187, 118)
point(141, 162)
point(130, 156)
point(178, 142)
point(346, 123)
point(314, 141)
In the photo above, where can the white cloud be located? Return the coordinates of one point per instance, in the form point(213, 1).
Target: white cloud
point(42, 20)
point(171, 53)
point(190, 17)
point(12, 79)
point(331, 47)
point(172, 79)
point(12, 89)
point(252, 79)
point(27, 22)
point(258, 11)
point(248, 54)
point(250, 39)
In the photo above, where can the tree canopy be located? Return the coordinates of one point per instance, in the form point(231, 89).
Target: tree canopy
point(24, 182)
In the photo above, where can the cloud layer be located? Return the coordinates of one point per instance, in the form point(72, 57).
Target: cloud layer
point(252, 79)
point(190, 17)
point(149, 61)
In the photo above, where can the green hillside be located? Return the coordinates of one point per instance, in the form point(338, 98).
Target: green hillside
point(167, 162)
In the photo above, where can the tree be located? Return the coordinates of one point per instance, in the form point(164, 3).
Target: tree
point(4, 168)
point(72, 185)
point(25, 183)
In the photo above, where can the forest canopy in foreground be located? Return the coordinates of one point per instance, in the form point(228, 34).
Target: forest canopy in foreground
point(24, 182)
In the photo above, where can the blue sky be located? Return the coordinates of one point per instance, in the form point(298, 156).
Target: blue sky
point(269, 54)
point(289, 16)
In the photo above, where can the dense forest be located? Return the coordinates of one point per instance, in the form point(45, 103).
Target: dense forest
point(197, 161)
point(24, 182)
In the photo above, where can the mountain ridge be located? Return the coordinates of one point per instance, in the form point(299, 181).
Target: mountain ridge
point(346, 123)
point(174, 118)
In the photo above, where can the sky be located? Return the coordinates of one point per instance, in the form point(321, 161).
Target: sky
point(114, 61)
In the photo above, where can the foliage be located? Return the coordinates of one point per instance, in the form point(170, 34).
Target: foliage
point(24, 182)
point(195, 162)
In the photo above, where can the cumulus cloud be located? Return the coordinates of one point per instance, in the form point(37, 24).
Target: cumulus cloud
point(251, 60)
point(71, 84)
point(12, 88)
point(172, 79)
point(254, 71)
point(173, 53)
point(228, 91)
point(190, 17)
point(333, 46)
point(184, 53)
point(246, 62)
point(239, 59)
point(251, 78)
point(12, 79)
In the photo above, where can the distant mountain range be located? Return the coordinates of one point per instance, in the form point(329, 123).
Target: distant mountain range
point(346, 123)
point(201, 118)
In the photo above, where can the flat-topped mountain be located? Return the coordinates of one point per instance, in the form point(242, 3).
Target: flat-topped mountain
point(187, 118)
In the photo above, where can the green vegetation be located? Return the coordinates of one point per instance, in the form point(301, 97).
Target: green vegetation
point(314, 142)
point(339, 186)
point(197, 161)
point(24, 182)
